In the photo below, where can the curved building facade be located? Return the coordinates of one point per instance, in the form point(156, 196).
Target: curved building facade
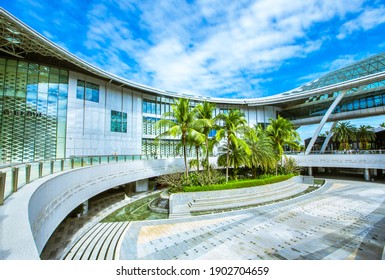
point(55, 105)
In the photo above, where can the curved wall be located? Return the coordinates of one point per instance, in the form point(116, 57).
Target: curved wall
point(30, 216)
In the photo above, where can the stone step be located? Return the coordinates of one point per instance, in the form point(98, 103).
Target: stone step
point(99, 243)
point(82, 241)
point(223, 204)
point(111, 251)
point(180, 215)
point(256, 192)
point(246, 197)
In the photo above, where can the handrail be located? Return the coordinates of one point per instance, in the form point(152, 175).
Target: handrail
point(338, 152)
point(14, 176)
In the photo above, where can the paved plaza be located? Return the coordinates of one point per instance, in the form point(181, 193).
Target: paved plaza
point(342, 220)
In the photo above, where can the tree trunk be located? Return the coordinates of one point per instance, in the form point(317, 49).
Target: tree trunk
point(207, 157)
point(227, 160)
point(197, 153)
point(185, 154)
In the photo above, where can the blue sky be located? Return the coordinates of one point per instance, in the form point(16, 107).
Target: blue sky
point(215, 48)
point(218, 48)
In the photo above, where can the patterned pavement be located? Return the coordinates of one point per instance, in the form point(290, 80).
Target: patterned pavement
point(342, 220)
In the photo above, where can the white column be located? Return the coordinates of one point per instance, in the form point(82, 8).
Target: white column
point(327, 140)
point(142, 185)
point(323, 121)
point(367, 174)
point(310, 171)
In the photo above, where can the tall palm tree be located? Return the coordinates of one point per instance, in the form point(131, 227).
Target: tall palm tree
point(281, 132)
point(180, 121)
point(236, 157)
point(365, 134)
point(343, 132)
point(195, 141)
point(262, 151)
point(233, 124)
point(206, 121)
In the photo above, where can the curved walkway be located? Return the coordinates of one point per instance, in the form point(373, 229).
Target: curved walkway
point(342, 220)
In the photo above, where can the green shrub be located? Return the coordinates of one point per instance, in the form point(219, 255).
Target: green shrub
point(239, 184)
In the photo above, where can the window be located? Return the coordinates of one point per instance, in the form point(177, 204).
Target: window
point(149, 107)
point(87, 91)
point(118, 121)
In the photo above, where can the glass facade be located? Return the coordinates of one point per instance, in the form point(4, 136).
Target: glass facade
point(149, 126)
point(163, 148)
point(33, 105)
point(118, 121)
point(87, 91)
point(371, 65)
point(348, 104)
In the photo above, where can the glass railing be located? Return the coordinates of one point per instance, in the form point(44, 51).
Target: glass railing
point(15, 176)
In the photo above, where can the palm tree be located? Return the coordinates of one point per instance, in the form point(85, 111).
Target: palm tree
point(281, 131)
point(383, 124)
point(343, 132)
point(180, 121)
point(195, 140)
point(206, 121)
point(233, 124)
point(236, 157)
point(262, 151)
point(365, 133)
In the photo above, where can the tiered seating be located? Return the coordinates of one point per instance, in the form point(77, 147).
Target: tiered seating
point(99, 243)
point(259, 195)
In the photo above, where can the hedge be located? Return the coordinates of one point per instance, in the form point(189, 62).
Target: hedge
point(239, 184)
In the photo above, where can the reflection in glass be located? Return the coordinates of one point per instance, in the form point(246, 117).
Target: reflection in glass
point(34, 97)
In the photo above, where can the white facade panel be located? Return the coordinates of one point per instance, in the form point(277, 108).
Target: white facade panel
point(89, 123)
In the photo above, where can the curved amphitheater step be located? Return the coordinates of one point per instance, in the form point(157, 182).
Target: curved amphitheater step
point(233, 201)
point(99, 243)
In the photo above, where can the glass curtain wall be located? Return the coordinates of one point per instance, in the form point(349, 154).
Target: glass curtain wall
point(33, 106)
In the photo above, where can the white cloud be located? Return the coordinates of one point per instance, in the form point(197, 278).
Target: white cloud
point(212, 47)
point(368, 19)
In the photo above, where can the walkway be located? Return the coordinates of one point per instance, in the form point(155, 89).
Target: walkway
point(343, 220)
point(67, 237)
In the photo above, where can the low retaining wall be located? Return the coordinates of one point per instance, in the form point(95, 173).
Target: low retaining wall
point(179, 202)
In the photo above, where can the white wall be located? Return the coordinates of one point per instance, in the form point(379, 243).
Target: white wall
point(88, 123)
point(31, 215)
point(371, 161)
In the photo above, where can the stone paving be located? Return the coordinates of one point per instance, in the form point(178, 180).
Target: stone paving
point(342, 220)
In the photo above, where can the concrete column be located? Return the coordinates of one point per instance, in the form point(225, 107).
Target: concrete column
point(85, 205)
point(367, 174)
point(142, 185)
point(327, 140)
point(129, 188)
point(310, 171)
point(323, 121)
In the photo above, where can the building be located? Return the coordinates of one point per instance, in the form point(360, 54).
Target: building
point(54, 105)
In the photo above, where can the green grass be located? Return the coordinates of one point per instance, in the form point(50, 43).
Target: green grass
point(135, 211)
point(319, 182)
point(239, 184)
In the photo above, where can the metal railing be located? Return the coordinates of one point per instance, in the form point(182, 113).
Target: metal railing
point(337, 152)
point(15, 176)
